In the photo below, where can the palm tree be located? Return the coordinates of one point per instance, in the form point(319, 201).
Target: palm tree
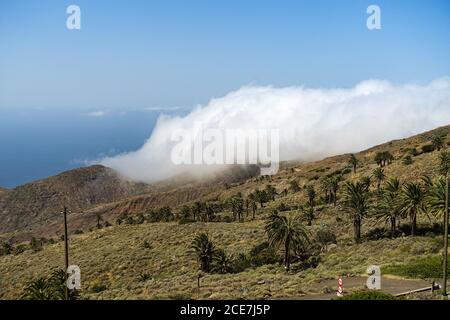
point(51, 288)
point(311, 195)
point(437, 142)
point(356, 200)
point(205, 250)
point(254, 208)
point(389, 207)
point(325, 186)
point(413, 197)
point(293, 185)
point(237, 207)
point(209, 211)
point(185, 212)
point(436, 197)
point(444, 169)
point(197, 210)
point(286, 232)
point(271, 192)
point(261, 197)
point(379, 159)
point(367, 181)
point(221, 263)
point(427, 182)
point(383, 158)
point(379, 176)
point(353, 161)
point(37, 290)
point(388, 157)
point(99, 218)
point(308, 213)
point(444, 165)
point(334, 186)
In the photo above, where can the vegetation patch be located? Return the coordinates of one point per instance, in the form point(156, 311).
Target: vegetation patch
point(424, 268)
point(368, 295)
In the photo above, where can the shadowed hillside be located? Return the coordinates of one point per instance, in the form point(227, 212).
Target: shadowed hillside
point(37, 203)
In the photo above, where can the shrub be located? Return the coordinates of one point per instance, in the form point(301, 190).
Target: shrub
point(367, 295)
point(241, 263)
point(293, 185)
point(35, 244)
point(262, 254)
point(346, 171)
point(407, 160)
point(163, 214)
point(425, 268)
point(129, 220)
point(140, 219)
point(414, 152)
point(5, 248)
point(98, 287)
point(144, 277)
point(325, 237)
point(221, 262)
point(186, 221)
point(283, 207)
point(427, 148)
point(227, 219)
point(377, 233)
point(19, 249)
point(146, 245)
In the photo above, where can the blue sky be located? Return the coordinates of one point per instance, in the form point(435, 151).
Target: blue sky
point(180, 53)
point(131, 55)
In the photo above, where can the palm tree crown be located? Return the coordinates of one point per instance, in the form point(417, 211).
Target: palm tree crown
point(287, 232)
point(413, 197)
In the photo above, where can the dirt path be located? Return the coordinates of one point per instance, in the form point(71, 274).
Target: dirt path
point(388, 285)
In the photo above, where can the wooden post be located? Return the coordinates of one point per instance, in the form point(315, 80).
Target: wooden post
point(198, 285)
point(66, 254)
point(444, 280)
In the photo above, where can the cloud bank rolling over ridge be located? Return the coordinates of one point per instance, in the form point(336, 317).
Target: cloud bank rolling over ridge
point(312, 123)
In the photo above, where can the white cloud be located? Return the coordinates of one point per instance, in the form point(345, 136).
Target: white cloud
point(163, 109)
point(313, 123)
point(99, 113)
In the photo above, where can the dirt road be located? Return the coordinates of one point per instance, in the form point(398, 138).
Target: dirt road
point(388, 285)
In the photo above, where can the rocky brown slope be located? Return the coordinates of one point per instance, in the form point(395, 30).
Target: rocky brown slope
point(37, 203)
point(34, 209)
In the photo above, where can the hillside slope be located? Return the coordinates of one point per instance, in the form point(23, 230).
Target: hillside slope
point(34, 209)
point(36, 203)
point(155, 260)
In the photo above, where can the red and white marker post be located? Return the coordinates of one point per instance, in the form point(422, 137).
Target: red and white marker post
point(340, 291)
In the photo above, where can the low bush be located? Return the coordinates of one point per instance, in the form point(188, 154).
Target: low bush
point(262, 254)
point(425, 268)
point(407, 160)
point(367, 295)
point(427, 148)
point(283, 207)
